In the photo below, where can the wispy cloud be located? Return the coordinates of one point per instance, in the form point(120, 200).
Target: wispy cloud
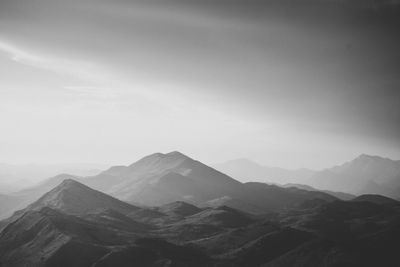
point(78, 69)
point(92, 91)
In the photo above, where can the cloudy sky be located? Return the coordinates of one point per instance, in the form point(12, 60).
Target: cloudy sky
point(286, 83)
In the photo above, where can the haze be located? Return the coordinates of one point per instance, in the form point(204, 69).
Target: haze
point(282, 84)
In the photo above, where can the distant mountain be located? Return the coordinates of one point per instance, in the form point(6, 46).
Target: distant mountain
point(160, 179)
point(7, 187)
point(377, 199)
point(8, 204)
point(276, 198)
point(363, 175)
point(339, 195)
point(246, 170)
point(14, 177)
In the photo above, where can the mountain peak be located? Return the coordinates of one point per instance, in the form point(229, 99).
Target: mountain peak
point(73, 197)
point(176, 154)
point(173, 158)
point(70, 183)
point(365, 157)
point(365, 161)
point(374, 198)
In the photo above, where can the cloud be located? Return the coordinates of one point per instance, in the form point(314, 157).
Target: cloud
point(92, 92)
point(78, 69)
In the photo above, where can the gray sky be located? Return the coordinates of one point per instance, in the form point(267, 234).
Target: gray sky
point(283, 83)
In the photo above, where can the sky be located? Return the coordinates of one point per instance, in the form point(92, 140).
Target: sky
point(294, 84)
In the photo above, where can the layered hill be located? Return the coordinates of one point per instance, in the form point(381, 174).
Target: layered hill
point(72, 197)
point(339, 195)
point(163, 178)
point(47, 237)
point(159, 179)
point(27, 196)
point(74, 225)
point(364, 175)
point(246, 170)
point(377, 199)
point(348, 233)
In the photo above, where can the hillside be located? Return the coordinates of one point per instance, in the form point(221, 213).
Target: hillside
point(364, 175)
point(160, 179)
point(74, 225)
point(246, 170)
point(377, 199)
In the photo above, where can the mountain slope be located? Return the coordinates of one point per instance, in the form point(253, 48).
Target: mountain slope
point(27, 196)
point(38, 237)
point(377, 199)
point(363, 175)
point(74, 225)
point(248, 171)
point(47, 237)
point(162, 178)
point(277, 198)
point(350, 233)
point(339, 195)
point(159, 179)
point(179, 208)
point(72, 197)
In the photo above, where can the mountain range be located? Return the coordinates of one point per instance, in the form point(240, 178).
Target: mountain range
point(163, 178)
point(75, 225)
point(15, 177)
point(365, 174)
point(171, 210)
point(246, 170)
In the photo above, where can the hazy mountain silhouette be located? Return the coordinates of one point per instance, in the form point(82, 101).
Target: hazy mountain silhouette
point(377, 199)
point(159, 179)
point(15, 177)
point(339, 195)
point(246, 170)
point(363, 175)
point(163, 178)
point(9, 203)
